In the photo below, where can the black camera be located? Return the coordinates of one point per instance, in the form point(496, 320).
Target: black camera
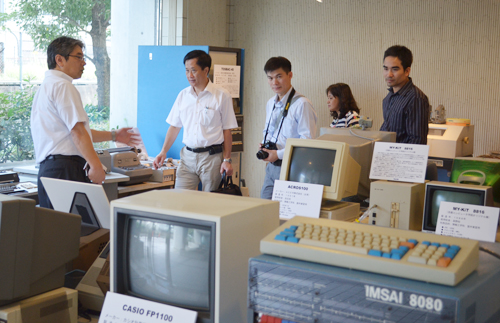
point(261, 154)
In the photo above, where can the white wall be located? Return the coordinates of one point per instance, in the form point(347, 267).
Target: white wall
point(132, 24)
point(455, 46)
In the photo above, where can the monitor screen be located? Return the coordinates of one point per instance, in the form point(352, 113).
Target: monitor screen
point(312, 165)
point(323, 162)
point(437, 192)
point(171, 261)
point(188, 249)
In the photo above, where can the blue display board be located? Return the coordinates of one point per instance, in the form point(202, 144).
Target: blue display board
point(161, 76)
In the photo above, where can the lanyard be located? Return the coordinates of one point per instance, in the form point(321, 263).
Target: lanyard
point(285, 113)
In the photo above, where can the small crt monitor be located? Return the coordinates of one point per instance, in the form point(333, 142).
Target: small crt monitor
point(321, 162)
point(437, 192)
point(189, 249)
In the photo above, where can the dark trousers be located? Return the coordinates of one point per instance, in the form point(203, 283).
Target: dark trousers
point(61, 167)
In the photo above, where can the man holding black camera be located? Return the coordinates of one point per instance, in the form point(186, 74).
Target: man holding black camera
point(289, 114)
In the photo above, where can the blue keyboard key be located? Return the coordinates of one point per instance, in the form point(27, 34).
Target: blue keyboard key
point(455, 247)
point(415, 242)
point(398, 251)
point(289, 230)
point(287, 233)
point(280, 237)
point(445, 245)
point(294, 227)
point(376, 253)
point(436, 244)
point(396, 256)
point(404, 248)
point(386, 255)
point(292, 239)
point(427, 243)
point(450, 255)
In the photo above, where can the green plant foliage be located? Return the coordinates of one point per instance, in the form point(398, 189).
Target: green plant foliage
point(16, 143)
point(15, 133)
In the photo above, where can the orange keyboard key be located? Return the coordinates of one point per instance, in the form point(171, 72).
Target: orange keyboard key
point(410, 245)
point(443, 262)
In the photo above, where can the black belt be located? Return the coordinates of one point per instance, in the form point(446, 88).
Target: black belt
point(67, 157)
point(277, 162)
point(217, 148)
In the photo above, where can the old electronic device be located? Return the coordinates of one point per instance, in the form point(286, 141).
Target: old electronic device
point(479, 171)
point(323, 293)
point(167, 249)
point(321, 162)
point(85, 199)
point(375, 249)
point(35, 246)
point(59, 305)
point(450, 141)
point(437, 192)
point(89, 292)
point(361, 144)
point(128, 163)
point(397, 205)
point(105, 158)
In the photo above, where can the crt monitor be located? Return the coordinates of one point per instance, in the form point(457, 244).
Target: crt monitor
point(188, 249)
point(35, 246)
point(361, 144)
point(437, 192)
point(322, 162)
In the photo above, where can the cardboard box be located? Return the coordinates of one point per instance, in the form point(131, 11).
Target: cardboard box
point(163, 175)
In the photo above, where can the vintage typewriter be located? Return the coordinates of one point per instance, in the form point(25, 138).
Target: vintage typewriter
point(125, 161)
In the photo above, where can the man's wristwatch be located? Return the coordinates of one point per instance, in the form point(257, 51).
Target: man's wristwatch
point(113, 135)
point(229, 160)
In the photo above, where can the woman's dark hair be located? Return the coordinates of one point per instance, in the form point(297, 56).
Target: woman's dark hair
point(61, 46)
point(347, 103)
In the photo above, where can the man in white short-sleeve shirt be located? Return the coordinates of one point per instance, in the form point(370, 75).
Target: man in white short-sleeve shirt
point(60, 128)
point(205, 110)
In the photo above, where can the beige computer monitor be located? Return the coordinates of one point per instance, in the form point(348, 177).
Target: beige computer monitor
point(324, 162)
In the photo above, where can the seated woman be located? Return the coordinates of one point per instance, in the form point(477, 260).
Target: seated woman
point(343, 107)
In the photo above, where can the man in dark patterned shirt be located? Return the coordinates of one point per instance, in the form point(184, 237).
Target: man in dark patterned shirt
point(406, 107)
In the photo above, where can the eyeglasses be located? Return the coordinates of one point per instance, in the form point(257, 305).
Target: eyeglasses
point(82, 58)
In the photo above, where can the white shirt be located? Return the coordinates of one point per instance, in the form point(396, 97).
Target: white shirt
point(203, 116)
point(299, 123)
point(57, 107)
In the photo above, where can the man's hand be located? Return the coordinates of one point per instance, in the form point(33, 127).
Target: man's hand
point(159, 159)
point(124, 135)
point(96, 175)
point(273, 155)
point(226, 167)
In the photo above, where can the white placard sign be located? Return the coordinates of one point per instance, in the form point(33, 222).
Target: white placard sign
point(399, 162)
point(119, 308)
point(467, 221)
point(228, 77)
point(298, 199)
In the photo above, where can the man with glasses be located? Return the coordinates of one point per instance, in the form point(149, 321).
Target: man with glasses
point(60, 128)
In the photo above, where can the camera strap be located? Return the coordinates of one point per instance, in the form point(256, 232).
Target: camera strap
point(285, 113)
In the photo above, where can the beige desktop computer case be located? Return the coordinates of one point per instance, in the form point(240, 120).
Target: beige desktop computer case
point(397, 204)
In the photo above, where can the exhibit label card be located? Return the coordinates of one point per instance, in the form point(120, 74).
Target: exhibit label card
point(228, 76)
point(399, 162)
point(298, 199)
point(467, 221)
point(119, 308)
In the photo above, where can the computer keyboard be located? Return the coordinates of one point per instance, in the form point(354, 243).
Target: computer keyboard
point(409, 254)
point(7, 188)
